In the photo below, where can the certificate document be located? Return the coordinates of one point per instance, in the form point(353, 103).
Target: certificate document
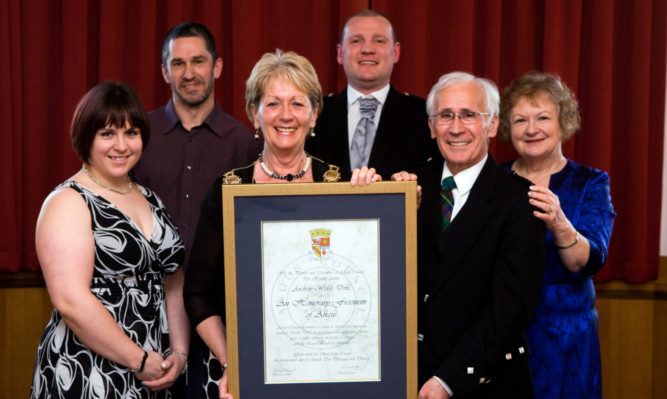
point(320, 283)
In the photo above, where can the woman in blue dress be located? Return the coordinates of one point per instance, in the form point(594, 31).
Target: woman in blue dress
point(538, 113)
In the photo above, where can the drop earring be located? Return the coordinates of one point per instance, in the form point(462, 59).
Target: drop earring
point(312, 132)
point(257, 135)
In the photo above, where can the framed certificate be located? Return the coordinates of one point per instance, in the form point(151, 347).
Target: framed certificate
point(321, 288)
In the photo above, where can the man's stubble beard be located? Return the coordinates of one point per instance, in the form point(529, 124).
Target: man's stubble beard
point(208, 91)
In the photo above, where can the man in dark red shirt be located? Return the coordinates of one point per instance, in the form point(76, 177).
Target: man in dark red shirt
point(193, 141)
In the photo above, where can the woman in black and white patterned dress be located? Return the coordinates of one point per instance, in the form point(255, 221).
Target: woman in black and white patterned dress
point(110, 257)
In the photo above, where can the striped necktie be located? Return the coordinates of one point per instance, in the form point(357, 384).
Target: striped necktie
point(447, 200)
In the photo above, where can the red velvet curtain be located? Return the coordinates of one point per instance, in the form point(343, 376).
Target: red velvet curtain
point(612, 53)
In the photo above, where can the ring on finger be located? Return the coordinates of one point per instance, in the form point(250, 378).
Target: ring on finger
point(549, 210)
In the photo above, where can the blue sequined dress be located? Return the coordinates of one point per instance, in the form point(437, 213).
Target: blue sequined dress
point(563, 335)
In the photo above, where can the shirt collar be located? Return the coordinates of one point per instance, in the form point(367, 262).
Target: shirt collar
point(353, 95)
point(465, 179)
point(171, 117)
point(214, 121)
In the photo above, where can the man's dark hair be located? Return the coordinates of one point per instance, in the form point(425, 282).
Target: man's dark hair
point(189, 29)
point(367, 13)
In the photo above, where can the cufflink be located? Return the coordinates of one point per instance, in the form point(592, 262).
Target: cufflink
point(482, 380)
point(420, 337)
point(426, 298)
point(471, 370)
point(521, 350)
point(508, 356)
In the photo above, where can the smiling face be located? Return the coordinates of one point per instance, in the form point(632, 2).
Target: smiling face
point(462, 145)
point(368, 53)
point(191, 71)
point(285, 115)
point(115, 151)
point(535, 130)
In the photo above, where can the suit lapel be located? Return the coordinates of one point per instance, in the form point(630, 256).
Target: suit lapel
point(339, 142)
point(392, 124)
point(468, 225)
point(430, 225)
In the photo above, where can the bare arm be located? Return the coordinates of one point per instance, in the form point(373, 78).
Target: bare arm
point(179, 332)
point(213, 332)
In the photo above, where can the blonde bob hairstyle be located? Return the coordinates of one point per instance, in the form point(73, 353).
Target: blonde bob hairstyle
point(533, 85)
point(289, 65)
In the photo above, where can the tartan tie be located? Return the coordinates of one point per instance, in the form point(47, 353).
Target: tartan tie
point(447, 200)
point(364, 134)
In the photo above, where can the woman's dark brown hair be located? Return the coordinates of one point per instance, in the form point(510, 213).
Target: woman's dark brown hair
point(107, 104)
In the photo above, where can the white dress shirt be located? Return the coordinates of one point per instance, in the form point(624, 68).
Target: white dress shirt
point(464, 181)
point(354, 114)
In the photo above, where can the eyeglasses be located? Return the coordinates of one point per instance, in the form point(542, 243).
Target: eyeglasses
point(466, 117)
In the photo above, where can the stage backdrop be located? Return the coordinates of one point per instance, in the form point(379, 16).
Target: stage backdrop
point(612, 53)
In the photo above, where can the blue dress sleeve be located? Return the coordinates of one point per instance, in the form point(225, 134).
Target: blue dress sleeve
point(596, 219)
point(585, 199)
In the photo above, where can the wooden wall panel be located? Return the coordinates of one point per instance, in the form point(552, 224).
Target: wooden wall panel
point(626, 337)
point(660, 350)
point(24, 313)
point(633, 337)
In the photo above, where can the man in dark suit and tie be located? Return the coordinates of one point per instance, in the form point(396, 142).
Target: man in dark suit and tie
point(369, 123)
point(481, 253)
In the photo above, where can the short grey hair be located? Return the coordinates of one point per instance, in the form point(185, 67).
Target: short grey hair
point(490, 92)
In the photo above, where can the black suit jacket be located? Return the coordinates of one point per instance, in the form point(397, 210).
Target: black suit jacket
point(479, 284)
point(402, 139)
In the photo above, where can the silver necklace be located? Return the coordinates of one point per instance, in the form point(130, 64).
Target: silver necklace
point(289, 176)
point(99, 183)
